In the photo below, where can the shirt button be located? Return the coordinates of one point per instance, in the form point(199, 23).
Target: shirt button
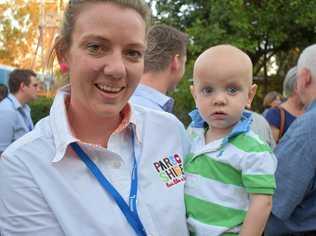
point(116, 164)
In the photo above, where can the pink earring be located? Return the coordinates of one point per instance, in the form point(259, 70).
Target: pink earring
point(64, 68)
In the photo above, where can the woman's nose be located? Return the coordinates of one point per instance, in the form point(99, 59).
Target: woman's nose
point(115, 66)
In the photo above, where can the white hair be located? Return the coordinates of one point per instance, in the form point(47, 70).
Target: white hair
point(289, 83)
point(307, 60)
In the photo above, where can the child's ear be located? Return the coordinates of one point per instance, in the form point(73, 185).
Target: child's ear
point(192, 91)
point(251, 95)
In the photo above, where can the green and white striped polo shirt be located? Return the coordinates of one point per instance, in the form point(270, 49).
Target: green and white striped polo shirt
point(220, 179)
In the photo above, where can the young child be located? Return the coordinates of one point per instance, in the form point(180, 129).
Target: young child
point(230, 174)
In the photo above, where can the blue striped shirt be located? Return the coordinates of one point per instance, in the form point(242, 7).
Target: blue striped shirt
point(152, 98)
point(15, 121)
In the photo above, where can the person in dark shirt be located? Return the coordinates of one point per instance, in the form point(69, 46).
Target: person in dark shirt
point(282, 116)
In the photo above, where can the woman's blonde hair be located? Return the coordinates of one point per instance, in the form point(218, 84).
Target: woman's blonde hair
point(71, 13)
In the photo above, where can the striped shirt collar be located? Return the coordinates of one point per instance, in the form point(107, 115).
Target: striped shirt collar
point(242, 126)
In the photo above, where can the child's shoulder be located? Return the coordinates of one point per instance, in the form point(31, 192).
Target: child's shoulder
point(250, 142)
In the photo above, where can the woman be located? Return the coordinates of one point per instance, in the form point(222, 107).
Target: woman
point(96, 165)
point(281, 117)
point(271, 100)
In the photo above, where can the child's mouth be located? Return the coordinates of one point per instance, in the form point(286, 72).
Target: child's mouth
point(219, 115)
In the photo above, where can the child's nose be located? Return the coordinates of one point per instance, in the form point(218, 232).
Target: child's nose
point(219, 98)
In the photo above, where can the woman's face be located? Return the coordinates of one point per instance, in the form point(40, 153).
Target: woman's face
point(105, 58)
point(276, 102)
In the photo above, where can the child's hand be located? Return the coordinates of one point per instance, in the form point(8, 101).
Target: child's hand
point(257, 215)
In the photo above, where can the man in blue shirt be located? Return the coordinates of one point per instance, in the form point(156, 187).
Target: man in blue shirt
point(294, 202)
point(15, 117)
point(165, 59)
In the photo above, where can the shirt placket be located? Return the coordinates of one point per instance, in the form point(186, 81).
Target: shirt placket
point(25, 118)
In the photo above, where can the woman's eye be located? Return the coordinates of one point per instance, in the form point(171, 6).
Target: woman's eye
point(232, 90)
point(207, 90)
point(134, 55)
point(94, 48)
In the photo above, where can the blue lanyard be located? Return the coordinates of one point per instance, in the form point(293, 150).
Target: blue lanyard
point(129, 211)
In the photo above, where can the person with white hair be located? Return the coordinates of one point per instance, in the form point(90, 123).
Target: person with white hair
point(294, 208)
point(281, 117)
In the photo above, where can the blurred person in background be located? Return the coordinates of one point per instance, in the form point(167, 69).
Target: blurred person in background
point(271, 100)
point(3, 91)
point(15, 114)
point(164, 67)
point(282, 116)
point(260, 125)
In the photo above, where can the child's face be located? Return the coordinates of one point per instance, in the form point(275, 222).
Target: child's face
point(221, 97)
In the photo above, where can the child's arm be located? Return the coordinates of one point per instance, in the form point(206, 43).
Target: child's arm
point(257, 215)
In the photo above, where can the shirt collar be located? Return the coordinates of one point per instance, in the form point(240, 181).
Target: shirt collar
point(164, 101)
point(242, 126)
point(129, 120)
point(311, 106)
point(61, 130)
point(14, 101)
point(196, 119)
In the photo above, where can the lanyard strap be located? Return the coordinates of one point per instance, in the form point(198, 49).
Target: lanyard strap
point(134, 181)
point(130, 212)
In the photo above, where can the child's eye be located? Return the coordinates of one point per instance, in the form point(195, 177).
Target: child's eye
point(232, 90)
point(206, 91)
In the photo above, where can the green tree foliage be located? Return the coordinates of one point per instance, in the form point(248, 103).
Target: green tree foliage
point(40, 108)
point(272, 32)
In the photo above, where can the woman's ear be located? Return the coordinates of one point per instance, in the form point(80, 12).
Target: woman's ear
point(61, 52)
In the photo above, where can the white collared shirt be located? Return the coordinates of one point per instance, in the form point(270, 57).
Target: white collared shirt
point(45, 189)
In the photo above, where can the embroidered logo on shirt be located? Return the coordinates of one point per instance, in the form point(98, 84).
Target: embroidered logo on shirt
point(170, 170)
